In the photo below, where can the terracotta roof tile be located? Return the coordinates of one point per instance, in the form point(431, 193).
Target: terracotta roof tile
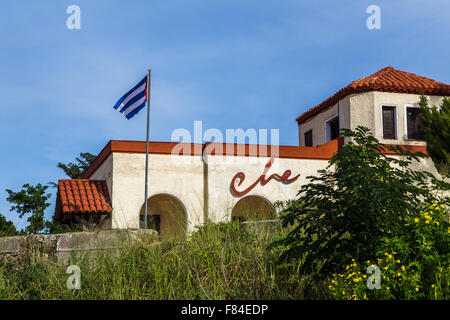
point(84, 196)
point(385, 80)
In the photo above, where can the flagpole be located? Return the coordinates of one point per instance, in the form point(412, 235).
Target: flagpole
point(146, 148)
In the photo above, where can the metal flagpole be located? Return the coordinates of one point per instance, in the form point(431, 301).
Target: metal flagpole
point(146, 149)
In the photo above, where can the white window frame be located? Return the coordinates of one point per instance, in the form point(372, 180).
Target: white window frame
point(327, 127)
point(395, 121)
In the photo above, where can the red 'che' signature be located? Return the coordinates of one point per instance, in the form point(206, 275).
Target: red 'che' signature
point(240, 176)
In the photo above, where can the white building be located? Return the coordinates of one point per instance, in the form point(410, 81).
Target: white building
point(192, 183)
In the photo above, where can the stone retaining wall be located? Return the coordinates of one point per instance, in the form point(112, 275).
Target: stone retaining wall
point(62, 246)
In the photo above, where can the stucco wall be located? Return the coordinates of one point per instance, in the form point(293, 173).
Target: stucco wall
point(105, 172)
point(317, 123)
point(222, 170)
point(179, 176)
point(317, 126)
point(399, 101)
point(183, 177)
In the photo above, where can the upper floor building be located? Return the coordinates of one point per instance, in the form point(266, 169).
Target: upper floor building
point(385, 102)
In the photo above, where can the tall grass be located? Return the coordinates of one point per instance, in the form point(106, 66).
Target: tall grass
point(219, 261)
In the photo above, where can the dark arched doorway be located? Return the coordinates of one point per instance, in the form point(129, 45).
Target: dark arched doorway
point(166, 214)
point(252, 208)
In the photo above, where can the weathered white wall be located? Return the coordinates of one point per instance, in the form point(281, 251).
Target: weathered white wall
point(398, 100)
point(178, 176)
point(317, 123)
point(105, 172)
point(183, 178)
point(221, 171)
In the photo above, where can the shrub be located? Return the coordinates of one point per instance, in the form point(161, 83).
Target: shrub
point(412, 266)
point(436, 124)
point(362, 198)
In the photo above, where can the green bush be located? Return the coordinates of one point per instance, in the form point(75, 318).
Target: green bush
point(350, 209)
point(413, 266)
point(436, 124)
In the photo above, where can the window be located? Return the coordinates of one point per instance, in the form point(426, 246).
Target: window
point(414, 126)
point(308, 139)
point(334, 128)
point(389, 122)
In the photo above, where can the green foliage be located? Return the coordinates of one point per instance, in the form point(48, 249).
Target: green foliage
point(218, 261)
point(75, 170)
point(7, 228)
point(361, 198)
point(54, 228)
point(30, 200)
point(414, 265)
point(436, 125)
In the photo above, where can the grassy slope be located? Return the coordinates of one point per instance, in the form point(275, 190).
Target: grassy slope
point(220, 261)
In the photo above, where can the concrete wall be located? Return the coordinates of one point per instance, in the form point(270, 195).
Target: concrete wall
point(61, 247)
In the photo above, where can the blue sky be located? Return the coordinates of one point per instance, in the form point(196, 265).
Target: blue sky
point(231, 64)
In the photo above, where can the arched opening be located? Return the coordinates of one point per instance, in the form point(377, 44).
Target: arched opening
point(166, 214)
point(253, 208)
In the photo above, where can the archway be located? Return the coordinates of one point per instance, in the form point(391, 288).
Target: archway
point(252, 208)
point(166, 214)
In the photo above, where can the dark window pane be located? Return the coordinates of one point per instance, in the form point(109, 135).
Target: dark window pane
point(389, 122)
point(308, 139)
point(414, 124)
point(334, 128)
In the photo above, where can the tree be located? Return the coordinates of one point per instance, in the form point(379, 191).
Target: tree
point(31, 199)
point(75, 170)
point(7, 228)
point(344, 213)
point(436, 125)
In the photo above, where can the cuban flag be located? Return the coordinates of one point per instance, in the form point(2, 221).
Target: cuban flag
point(134, 100)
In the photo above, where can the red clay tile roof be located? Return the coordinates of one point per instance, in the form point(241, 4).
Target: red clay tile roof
point(385, 80)
point(84, 196)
